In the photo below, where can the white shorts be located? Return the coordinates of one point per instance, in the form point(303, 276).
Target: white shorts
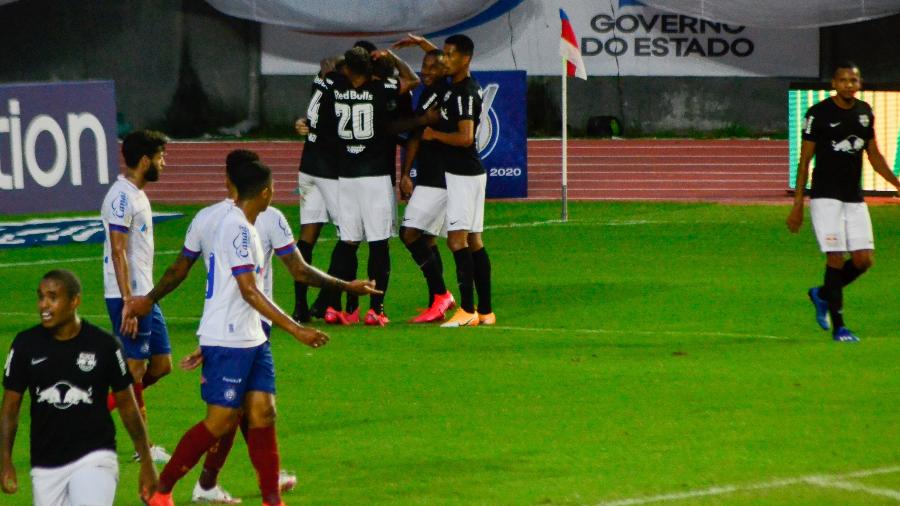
point(90, 480)
point(841, 226)
point(318, 199)
point(427, 210)
point(465, 202)
point(368, 209)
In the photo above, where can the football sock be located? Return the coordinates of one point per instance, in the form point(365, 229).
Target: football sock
point(834, 294)
point(263, 449)
point(379, 269)
point(342, 260)
point(192, 446)
point(424, 258)
point(352, 299)
point(481, 264)
point(850, 272)
point(301, 307)
point(464, 279)
point(215, 459)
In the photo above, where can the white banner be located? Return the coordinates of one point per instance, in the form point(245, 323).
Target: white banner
point(623, 38)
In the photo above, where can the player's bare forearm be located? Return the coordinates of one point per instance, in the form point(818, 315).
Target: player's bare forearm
point(881, 167)
point(258, 301)
point(408, 77)
point(134, 424)
point(309, 275)
point(173, 277)
point(119, 247)
point(9, 424)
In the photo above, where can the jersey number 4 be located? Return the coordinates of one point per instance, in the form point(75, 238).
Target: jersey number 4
point(361, 117)
point(312, 111)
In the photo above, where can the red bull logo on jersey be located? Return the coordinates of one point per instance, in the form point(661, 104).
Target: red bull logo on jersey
point(64, 395)
point(852, 145)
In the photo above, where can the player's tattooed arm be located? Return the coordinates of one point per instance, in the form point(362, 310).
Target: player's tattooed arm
point(309, 275)
point(9, 424)
point(409, 80)
point(134, 424)
point(173, 277)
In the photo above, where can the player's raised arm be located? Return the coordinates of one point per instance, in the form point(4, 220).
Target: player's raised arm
point(9, 424)
point(879, 164)
point(408, 78)
point(415, 40)
point(795, 218)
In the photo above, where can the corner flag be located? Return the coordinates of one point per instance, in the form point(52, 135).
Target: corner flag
point(568, 49)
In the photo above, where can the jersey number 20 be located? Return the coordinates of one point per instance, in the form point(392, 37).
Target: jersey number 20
point(362, 117)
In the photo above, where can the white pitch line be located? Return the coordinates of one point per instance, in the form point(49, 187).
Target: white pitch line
point(646, 332)
point(728, 489)
point(853, 486)
point(66, 260)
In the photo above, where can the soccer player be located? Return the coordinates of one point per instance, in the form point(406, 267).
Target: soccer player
point(425, 215)
point(836, 131)
point(466, 181)
point(318, 175)
point(237, 361)
point(276, 238)
point(364, 108)
point(128, 265)
point(67, 365)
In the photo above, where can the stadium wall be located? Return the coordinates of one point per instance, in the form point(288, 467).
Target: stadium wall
point(186, 68)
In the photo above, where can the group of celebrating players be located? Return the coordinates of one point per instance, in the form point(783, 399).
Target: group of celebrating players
point(359, 110)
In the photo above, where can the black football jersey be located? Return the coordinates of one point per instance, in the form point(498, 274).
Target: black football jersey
point(320, 149)
point(68, 382)
point(461, 101)
point(363, 119)
point(429, 171)
point(841, 136)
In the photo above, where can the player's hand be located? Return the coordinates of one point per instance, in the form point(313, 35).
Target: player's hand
point(138, 306)
point(428, 134)
point(795, 219)
point(129, 326)
point(406, 187)
point(301, 126)
point(8, 480)
point(379, 54)
point(148, 480)
point(311, 337)
point(362, 287)
point(409, 41)
point(192, 361)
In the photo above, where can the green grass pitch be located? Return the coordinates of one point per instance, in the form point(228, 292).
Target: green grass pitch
point(641, 349)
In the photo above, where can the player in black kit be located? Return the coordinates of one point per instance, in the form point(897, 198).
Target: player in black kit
point(364, 109)
point(466, 183)
point(836, 131)
point(68, 365)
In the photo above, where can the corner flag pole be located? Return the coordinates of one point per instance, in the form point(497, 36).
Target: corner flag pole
point(565, 147)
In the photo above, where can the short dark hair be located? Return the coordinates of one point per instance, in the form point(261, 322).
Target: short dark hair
point(141, 143)
point(844, 64)
point(251, 178)
point(236, 159)
point(67, 279)
point(358, 61)
point(463, 44)
point(382, 68)
point(365, 44)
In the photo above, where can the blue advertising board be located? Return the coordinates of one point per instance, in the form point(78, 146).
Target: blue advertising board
point(502, 138)
point(58, 149)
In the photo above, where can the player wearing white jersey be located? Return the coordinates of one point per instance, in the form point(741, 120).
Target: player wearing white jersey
point(237, 361)
point(276, 236)
point(128, 265)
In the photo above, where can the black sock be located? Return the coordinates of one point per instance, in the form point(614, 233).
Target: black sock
point(481, 272)
point(439, 265)
point(352, 269)
point(343, 258)
point(301, 308)
point(379, 270)
point(424, 258)
point(464, 279)
point(834, 294)
point(850, 272)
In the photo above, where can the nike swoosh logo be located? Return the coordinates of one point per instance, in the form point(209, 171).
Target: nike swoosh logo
point(36, 361)
point(454, 222)
point(832, 125)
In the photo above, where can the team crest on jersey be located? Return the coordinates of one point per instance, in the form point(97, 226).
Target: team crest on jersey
point(64, 395)
point(86, 361)
point(119, 204)
point(864, 120)
point(241, 242)
point(230, 394)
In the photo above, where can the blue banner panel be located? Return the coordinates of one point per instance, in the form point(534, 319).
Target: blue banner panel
point(502, 137)
point(58, 149)
point(56, 231)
